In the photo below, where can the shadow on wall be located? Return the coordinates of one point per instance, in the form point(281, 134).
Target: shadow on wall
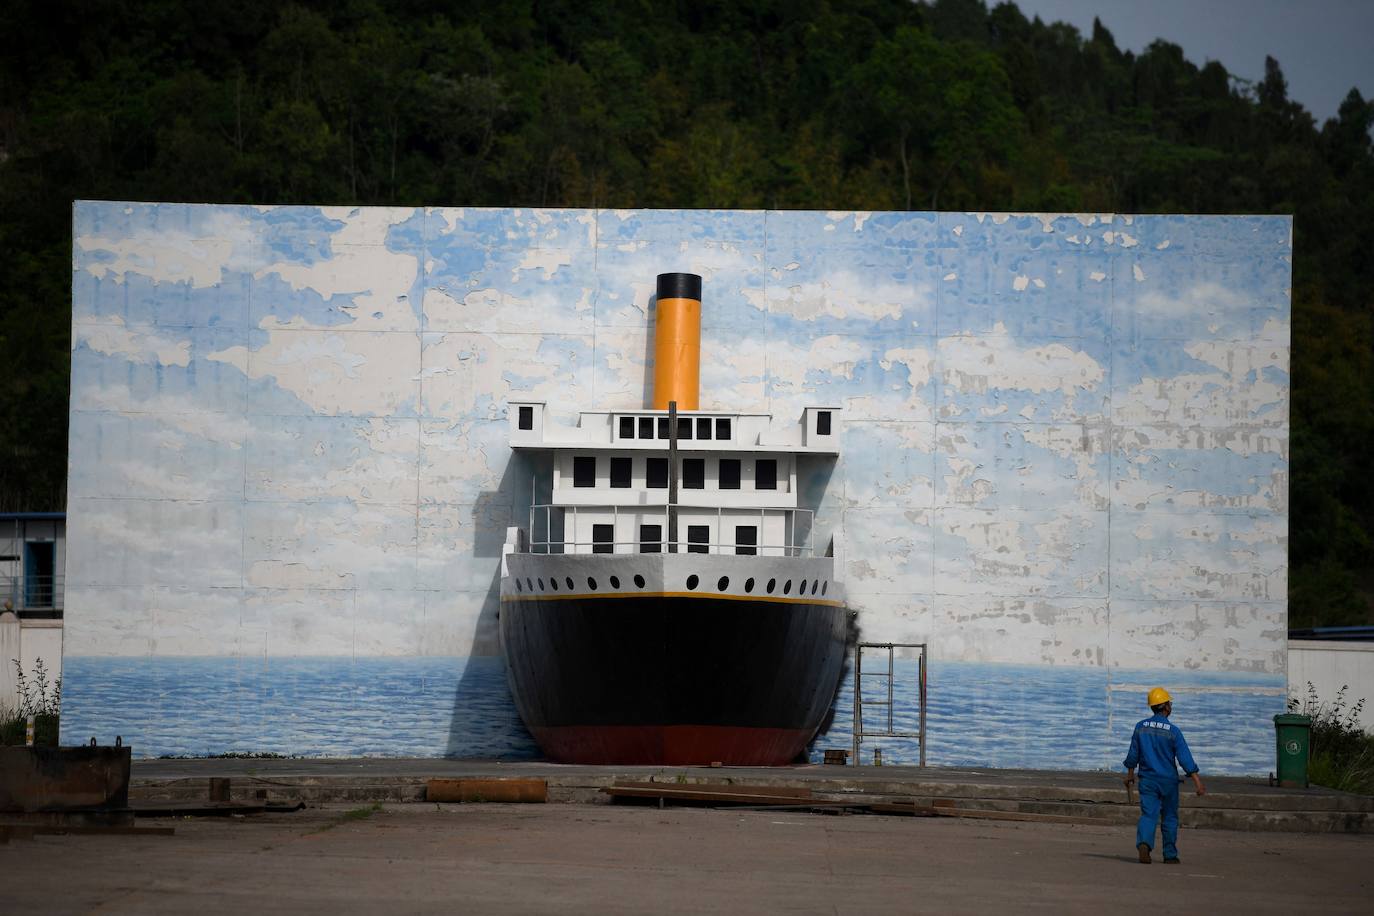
point(472, 700)
point(647, 386)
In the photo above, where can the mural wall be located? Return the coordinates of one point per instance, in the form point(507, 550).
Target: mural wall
point(1065, 465)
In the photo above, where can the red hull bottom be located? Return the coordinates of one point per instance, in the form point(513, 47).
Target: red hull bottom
point(671, 745)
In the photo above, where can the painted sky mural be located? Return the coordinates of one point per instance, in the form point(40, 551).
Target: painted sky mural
point(1065, 459)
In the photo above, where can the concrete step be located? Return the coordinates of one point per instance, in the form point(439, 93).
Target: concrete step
point(1232, 804)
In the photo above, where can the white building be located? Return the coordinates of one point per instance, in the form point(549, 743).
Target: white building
point(33, 564)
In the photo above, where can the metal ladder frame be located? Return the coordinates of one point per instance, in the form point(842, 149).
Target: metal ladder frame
point(859, 674)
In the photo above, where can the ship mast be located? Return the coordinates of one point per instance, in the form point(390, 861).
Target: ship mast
point(672, 476)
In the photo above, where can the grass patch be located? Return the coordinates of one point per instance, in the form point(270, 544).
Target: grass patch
point(355, 814)
point(358, 814)
point(1342, 755)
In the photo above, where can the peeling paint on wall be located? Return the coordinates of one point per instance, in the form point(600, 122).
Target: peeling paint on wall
point(1066, 442)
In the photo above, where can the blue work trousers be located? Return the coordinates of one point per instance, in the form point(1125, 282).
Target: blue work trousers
point(1159, 804)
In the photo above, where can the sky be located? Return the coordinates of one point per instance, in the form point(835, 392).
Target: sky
point(1324, 46)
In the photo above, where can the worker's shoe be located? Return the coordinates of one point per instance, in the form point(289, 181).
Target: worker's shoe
point(1173, 861)
point(1144, 853)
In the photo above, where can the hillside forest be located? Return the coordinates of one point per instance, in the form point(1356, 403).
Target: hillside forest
point(830, 104)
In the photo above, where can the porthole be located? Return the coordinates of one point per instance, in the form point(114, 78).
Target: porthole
point(787, 587)
point(615, 582)
point(692, 583)
point(541, 585)
point(639, 581)
point(723, 584)
point(553, 584)
point(801, 589)
point(825, 586)
point(591, 583)
point(748, 586)
point(569, 581)
point(814, 584)
point(772, 584)
point(518, 586)
point(530, 585)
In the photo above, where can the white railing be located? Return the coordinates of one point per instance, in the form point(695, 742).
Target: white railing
point(32, 593)
point(567, 519)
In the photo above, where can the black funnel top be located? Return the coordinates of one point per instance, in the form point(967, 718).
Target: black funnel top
point(679, 286)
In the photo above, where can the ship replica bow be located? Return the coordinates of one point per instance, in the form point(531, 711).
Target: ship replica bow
point(666, 605)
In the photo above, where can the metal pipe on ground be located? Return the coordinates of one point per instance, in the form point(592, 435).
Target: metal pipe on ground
point(487, 790)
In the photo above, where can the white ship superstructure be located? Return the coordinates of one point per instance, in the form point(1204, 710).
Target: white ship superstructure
point(736, 481)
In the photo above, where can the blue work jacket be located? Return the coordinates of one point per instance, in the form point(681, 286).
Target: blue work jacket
point(1155, 745)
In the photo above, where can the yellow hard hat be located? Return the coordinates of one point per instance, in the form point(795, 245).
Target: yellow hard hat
point(1159, 695)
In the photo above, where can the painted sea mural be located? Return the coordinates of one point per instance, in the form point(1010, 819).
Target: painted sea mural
point(1064, 468)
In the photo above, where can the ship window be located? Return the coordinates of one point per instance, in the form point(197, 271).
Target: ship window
point(766, 474)
point(603, 537)
point(530, 585)
point(527, 418)
point(650, 540)
point(591, 583)
point(569, 581)
point(584, 472)
point(694, 473)
point(627, 427)
point(620, 472)
point(541, 585)
point(663, 427)
point(698, 536)
point(723, 428)
point(801, 590)
point(787, 587)
point(825, 586)
point(646, 427)
point(772, 584)
point(723, 584)
point(684, 427)
point(746, 540)
point(656, 473)
point(553, 584)
point(639, 581)
point(692, 583)
point(518, 586)
point(615, 582)
point(748, 586)
point(822, 422)
point(729, 473)
point(814, 583)
point(703, 427)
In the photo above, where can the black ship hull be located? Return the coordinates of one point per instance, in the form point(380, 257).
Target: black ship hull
point(645, 676)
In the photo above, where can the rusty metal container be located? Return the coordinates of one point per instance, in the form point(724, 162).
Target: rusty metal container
point(86, 778)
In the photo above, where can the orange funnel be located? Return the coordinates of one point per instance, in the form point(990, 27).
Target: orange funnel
point(677, 341)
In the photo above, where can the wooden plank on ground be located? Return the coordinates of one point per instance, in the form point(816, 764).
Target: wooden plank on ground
point(728, 788)
point(735, 796)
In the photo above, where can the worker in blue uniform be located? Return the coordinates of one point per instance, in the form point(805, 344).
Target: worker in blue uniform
point(1155, 746)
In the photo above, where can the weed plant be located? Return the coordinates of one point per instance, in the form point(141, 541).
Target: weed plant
point(1342, 754)
point(38, 697)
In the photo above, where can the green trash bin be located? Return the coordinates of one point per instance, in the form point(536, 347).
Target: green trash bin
point(1293, 740)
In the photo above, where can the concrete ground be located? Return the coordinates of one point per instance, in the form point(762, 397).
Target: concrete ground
point(423, 858)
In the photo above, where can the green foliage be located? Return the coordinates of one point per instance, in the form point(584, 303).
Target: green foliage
point(39, 698)
point(1342, 753)
point(361, 814)
point(828, 104)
